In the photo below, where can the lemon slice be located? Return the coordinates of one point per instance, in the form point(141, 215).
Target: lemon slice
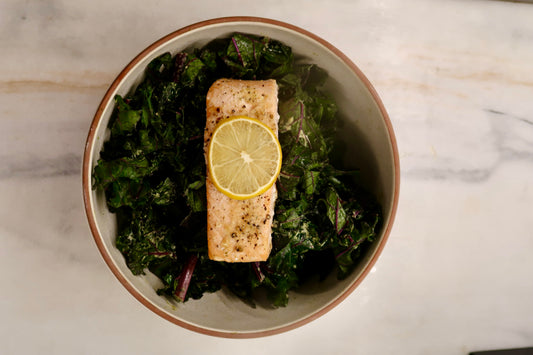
point(243, 158)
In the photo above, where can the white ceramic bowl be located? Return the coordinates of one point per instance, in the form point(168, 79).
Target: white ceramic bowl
point(372, 147)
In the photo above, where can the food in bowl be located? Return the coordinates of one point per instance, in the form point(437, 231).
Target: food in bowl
point(153, 172)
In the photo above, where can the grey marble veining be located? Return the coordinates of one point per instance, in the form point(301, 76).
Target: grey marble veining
point(509, 138)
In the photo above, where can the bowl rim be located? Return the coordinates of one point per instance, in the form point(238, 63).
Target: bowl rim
point(87, 173)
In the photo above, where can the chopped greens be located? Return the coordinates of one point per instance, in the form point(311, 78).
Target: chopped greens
point(152, 171)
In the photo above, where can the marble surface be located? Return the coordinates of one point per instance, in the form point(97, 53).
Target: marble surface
point(457, 80)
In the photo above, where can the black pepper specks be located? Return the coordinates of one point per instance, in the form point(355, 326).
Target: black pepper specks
point(242, 232)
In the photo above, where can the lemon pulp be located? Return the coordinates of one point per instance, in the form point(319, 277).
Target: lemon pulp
point(244, 157)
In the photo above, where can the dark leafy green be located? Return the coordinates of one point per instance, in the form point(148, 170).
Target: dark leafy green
point(152, 171)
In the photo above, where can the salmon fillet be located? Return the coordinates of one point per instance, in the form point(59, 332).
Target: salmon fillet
point(240, 230)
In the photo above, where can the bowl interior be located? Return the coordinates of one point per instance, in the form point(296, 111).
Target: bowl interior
point(371, 147)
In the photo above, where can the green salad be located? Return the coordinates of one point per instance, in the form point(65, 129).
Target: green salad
point(152, 171)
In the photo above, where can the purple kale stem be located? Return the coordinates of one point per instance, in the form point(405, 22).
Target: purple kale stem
point(237, 49)
point(351, 247)
point(288, 109)
point(328, 204)
point(158, 252)
point(179, 63)
point(346, 224)
point(295, 158)
point(185, 278)
point(257, 269)
point(289, 175)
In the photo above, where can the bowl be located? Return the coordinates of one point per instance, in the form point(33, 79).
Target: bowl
point(371, 146)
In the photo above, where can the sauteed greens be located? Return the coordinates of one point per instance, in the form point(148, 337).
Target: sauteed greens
point(152, 170)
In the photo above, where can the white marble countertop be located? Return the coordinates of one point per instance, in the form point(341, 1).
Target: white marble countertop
point(457, 272)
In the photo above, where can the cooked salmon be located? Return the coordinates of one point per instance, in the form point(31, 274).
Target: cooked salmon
point(240, 230)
